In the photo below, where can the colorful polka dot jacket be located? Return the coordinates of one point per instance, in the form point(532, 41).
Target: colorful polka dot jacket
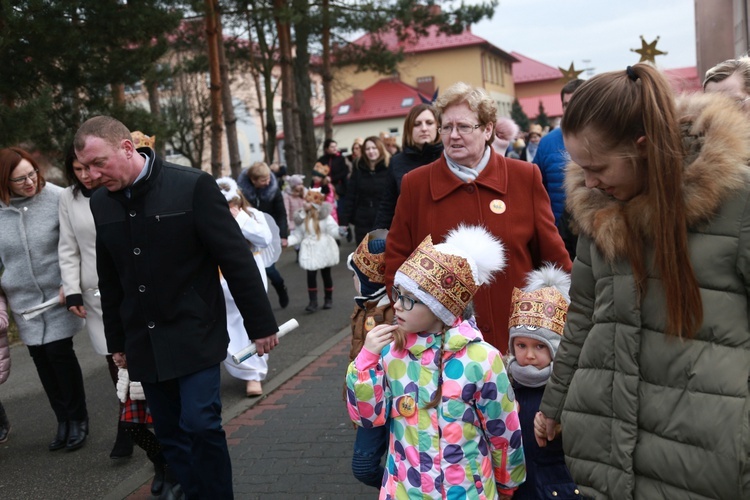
point(469, 446)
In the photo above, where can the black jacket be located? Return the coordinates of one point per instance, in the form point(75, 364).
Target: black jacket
point(401, 164)
point(158, 259)
point(363, 196)
point(269, 200)
point(339, 172)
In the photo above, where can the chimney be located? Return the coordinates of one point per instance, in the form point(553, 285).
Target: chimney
point(359, 100)
point(426, 86)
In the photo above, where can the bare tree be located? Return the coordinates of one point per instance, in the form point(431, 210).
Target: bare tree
point(291, 128)
point(230, 120)
point(187, 112)
point(215, 87)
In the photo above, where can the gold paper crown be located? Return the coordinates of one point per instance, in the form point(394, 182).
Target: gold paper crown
point(543, 308)
point(371, 265)
point(314, 196)
point(446, 277)
point(141, 140)
point(321, 169)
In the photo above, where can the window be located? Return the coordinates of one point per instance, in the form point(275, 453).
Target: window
point(252, 147)
point(408, 102)
point(343, 109)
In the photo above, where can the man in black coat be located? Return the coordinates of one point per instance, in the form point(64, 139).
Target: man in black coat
point(163, 232)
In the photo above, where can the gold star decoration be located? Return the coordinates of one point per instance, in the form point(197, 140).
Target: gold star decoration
point(571, 73)
point(648, 51)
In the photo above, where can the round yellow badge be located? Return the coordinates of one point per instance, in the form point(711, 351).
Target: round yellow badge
point(405, 406)
point(369, 323)
point(497, 206)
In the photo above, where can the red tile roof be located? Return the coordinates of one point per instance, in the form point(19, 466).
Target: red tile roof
point(382, 100)
point(551, 102)
point(684, 79)
point(530, 70)
point(434, 40)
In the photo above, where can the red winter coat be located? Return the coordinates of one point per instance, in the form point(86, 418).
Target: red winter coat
point(434, 200)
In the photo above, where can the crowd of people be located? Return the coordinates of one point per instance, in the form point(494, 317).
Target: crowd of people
point(569, 320)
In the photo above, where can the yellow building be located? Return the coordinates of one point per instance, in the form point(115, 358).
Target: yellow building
point(438, 61)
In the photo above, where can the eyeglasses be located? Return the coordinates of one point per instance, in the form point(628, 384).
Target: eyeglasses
point(463, 129)
point(406, 302)
point(22, 180)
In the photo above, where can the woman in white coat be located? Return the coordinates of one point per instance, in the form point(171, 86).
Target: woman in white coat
point(260, 236)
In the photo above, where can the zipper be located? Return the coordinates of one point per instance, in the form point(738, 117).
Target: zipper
point(159, 217)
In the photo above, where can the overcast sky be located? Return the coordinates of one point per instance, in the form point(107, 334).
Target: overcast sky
point(558, 32)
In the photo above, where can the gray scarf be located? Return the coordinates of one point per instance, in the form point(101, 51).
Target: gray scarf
point(529, 376)
point(467, 174)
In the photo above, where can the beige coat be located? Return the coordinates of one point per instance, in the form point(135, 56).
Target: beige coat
point(77, 253)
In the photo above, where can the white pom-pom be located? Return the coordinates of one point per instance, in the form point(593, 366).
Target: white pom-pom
point(484, 251)
point(549, 275)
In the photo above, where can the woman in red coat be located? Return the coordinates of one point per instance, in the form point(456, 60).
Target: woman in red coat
point(471, 183)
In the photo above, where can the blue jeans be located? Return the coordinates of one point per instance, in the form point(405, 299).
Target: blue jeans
point(187, 421)
point(369, 448)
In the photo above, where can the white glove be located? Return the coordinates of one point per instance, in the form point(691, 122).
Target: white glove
point(123, 381)
point(136, 391)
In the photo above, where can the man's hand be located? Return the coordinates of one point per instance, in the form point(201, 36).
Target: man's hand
point(266, 344)
point(119, 359)
point(79, 311)
point(283, 243)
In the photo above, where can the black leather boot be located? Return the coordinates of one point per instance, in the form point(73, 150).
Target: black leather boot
point(123, 447)
point(160, 473)
point(283, 294)
point(328, 300)
point(4, 425)
point(61, 438)
point(313, 305)
point(77, 431)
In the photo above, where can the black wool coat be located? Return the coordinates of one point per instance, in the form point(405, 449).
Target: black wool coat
point(158, 258)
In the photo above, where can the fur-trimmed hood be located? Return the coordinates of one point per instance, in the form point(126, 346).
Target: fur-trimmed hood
point(716, 136)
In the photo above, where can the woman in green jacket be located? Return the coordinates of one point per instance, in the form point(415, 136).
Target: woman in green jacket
point(651, 379)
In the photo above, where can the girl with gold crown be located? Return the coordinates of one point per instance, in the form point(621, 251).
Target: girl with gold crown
point(444, 392)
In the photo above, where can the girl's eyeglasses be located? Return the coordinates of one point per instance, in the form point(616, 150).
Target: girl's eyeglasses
point(406, 302)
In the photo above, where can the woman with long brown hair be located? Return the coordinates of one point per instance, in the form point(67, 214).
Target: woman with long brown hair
point(650, 380)
point(365, 188)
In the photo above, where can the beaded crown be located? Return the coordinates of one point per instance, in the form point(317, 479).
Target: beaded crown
point(542, 308)
point(446, 277)
point(371, 265)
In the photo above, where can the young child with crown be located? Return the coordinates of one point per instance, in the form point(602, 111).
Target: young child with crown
point(537, 319)
point(372, 308)
point(443, 391)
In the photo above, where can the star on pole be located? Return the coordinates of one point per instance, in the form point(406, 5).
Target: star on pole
point(648, 51)
point(571, 73)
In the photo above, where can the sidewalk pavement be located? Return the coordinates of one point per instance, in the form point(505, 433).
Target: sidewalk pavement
point(293, 442)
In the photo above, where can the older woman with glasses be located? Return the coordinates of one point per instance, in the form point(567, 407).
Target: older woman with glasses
point(473, 184)
point(29, 230)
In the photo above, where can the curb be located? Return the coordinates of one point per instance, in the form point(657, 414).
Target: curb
point(137, 480)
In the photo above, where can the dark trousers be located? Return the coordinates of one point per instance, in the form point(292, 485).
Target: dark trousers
point(274, 276)
point(60, 374)
point(312, 279)
point(187, 421)
point(369, 448)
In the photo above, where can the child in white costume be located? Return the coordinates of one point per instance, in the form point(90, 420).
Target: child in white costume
point(316, 233)
point(257, 232)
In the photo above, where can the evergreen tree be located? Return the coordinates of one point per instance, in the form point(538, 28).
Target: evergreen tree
point(518, 115)
point(542, 118)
